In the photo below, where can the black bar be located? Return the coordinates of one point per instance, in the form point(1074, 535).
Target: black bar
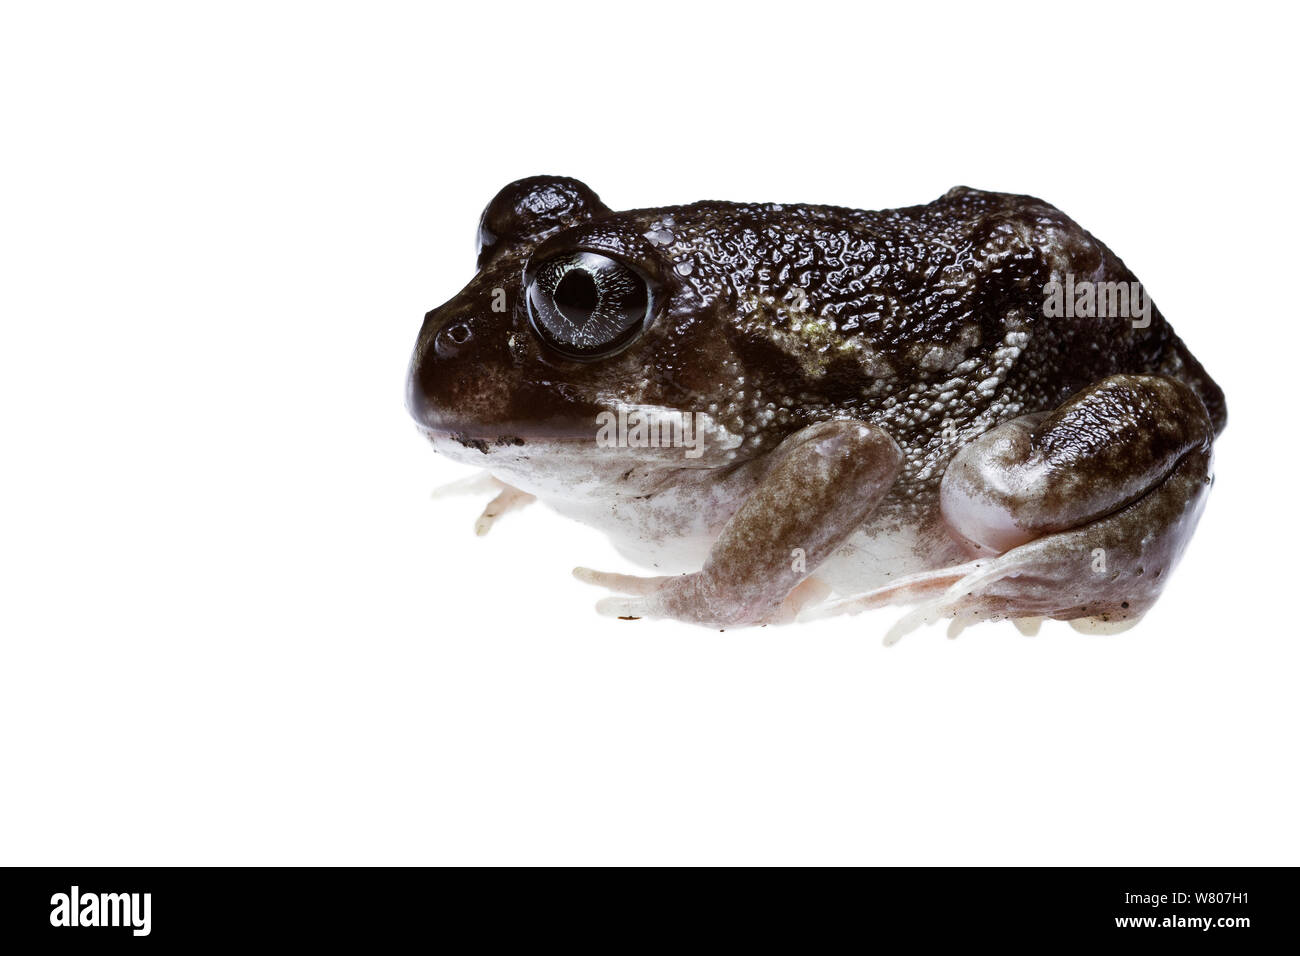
point(1225, 908)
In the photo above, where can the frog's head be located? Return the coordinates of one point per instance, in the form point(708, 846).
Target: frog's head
point(575, 315)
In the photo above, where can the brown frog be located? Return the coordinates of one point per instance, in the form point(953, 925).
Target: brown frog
point(970, 406)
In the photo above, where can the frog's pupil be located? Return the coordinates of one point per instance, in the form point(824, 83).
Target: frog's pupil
point(576, 297)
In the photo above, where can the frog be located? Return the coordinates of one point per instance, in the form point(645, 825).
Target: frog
point(968, 409)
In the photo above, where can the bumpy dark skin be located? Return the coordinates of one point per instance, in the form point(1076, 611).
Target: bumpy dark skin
point(918, 329)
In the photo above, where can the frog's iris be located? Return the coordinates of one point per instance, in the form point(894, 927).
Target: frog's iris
point(587, 306)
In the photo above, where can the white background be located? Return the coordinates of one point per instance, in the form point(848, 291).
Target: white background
point(234, 628)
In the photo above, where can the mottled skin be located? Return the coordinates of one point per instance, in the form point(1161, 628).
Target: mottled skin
point(841, 358)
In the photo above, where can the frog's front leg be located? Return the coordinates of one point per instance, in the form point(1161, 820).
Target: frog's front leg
point(1078, 514)
point(508, 498)
point(822, 483)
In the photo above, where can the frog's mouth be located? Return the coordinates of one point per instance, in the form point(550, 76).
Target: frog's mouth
point(485, 448)
point(482, 444)
point(622, 438)
point(485, 411)
point(487, 441)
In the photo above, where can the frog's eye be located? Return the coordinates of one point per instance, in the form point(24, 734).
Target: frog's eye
point(587, 306)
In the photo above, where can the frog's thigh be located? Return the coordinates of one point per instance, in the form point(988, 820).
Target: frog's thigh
point(821, 485)
point(1084, 511)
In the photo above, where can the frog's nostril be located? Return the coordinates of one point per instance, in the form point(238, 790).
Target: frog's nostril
point(451, 338)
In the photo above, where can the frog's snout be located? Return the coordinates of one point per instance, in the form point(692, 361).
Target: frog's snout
point(472, 377)
point(440, 384)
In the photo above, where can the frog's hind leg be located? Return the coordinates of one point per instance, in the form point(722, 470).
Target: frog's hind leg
point(1101, 577)
point(1077, 515)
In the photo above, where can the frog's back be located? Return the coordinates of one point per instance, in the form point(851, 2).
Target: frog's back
point(939, 313)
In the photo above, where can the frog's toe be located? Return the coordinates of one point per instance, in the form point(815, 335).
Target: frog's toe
point(807, 594)
point(508, 499)
point(908, 589)
point(1103, 625)
point(635, 595)
point(1028, 626)
point(963, 601)
point(473, 485)
point(620, 583)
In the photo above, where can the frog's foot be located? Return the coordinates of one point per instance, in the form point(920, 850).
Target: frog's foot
point(661, 597)
point(508, 498)
point(1028, 585)
point(1079, 515)
point(931, 589)
point(639, 596)
point(910, 589)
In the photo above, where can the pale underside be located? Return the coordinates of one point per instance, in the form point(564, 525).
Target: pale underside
point(668, 526)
